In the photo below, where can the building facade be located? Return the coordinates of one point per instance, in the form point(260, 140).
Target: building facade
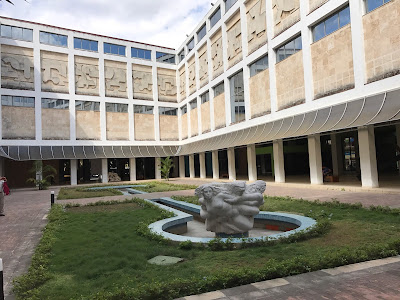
point(260, 89)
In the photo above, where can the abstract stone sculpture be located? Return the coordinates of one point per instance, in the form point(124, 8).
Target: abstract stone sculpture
point(229, 208)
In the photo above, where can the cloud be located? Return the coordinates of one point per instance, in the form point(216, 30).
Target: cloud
point(159, 22)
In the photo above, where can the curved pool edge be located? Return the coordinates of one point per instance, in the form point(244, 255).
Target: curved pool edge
point(305, 223)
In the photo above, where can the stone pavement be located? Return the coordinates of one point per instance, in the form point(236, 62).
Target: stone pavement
point(26, 211)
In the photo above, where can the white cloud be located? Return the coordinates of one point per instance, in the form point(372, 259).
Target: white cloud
point(159, 22)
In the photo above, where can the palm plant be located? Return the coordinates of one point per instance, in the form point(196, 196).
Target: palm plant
point(41, 180)
point(166, 166)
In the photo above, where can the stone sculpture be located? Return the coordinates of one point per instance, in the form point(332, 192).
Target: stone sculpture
point(229, 208)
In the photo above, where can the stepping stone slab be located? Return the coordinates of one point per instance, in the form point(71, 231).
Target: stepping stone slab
point(164, 260)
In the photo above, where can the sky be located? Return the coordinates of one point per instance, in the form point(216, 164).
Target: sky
point(158, 22)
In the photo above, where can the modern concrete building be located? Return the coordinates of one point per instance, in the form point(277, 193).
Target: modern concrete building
point(260, 89)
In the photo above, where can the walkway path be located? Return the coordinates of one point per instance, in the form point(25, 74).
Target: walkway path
point(26, 211)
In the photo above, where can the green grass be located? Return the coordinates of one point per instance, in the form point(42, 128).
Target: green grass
point(163, 186)
point(97, 252)
point(84, 192)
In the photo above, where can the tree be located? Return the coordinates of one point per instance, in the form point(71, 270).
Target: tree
point(41, 180)
point(166, 166)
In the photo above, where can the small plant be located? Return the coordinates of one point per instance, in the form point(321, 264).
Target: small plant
point(166, 166)
point(186, 245)
point(41, 180)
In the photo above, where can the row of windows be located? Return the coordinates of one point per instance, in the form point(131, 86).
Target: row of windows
point(16, 33)
point(331, 24)
point(168, 111)
point(17, 101)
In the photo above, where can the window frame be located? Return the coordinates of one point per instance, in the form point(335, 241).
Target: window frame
point(82, 105)
point(145, 52)
point(116, 107)
point(119, 47)
point(218, 10)
point(90, 43)
point(164, 111)
point(64, 105)
point(55, 36)
point(369, 10)
point(253, 70)
point(324, 21)
point(23, 29)
point(215, 88)
point(28, 102)
point(143, 109)
point(204, 98)
point(298, 37)
point(231, 2)
point(200, 37)
point(190, 43)
point(168, 61)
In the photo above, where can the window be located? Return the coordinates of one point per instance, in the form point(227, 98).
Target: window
point(184, 110)
point(53, 39)
point(87, 106)
point(143, 109)
point(237, 98)
point(116, 107)
point(219, 89)
point(372, 4)
point(229, 4)
point(114, 49)
point(331, 24)
point(205, 97)
point(201, 33)
point(259, 66)
point(86, 44)
point(190, 45)
point(181, 55)
point(168, 111)
point(193, 104)
point(141, 53)
point(17, 33)
point(215, 17)
point(288, 49)
point(18, 101)
point(165, 57)
point(55, 103)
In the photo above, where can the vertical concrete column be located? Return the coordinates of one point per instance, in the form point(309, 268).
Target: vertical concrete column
point(181, 166)
point(132, 169)
point(251, 162)
point(231, 164)
point(104, 170)
point(279, 162)
point(366, 142)
point(215, 164)
point(191, 166)
point(158, 167)
point(74, 171)
point(202, 158)
point(315, 159)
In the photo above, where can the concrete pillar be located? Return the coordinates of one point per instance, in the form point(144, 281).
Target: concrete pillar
point(104, 170)
point(158, 167)
point(215, 164)
point(202, 158)
point(369, 171)
point(74, 171)
point(315, 159)
point(191, 166)
point(181, 166)
point(231, 164)
point(132, 169)
point(279, 161)
point(251, 162)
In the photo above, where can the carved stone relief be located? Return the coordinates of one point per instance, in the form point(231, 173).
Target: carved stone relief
point(286, 13)
point(54, 72)
point(115, 78)
point(234, 34)
point(182, 83)
point(192, 76)
point(256, 25)
point(142, 82)
point(203, 66)
point(216, 55)
point(167, 90)
point(17, 69)
point(86, 76)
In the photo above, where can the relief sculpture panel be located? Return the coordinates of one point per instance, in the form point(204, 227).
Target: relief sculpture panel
point(54, 72)
point(86, 76)
point(192, 75)
point(217, 55)
point(142, 82)
point(17, 68)
point(256, 24)
point(182, 83)
point(167, 90)
point(286, 13)
point(115, 79)
point(234, 33)
point(203, 66)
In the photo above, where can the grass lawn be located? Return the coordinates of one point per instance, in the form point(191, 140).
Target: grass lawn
point(96, 252)
point(163, 186)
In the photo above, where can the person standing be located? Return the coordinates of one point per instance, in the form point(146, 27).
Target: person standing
point(2, 181)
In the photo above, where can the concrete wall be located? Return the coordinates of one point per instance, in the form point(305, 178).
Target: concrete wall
point(217, 54)
point(182, 83)
point(169, 128)
point(382, 41)
point(219, 111)
point(314, 4)
point(117, 126)
point(234, 43)
point(260, 99)
point(203, 66)
point(115, 79)
point(142, 82)
point(194, 122)
point(256, 24)
point(205, 117)
point(167, 90)
point(290, 81)
point(192, 75)
point(54, 72)
point(332, 63)
point(55, 124)
point(88, 125)
point(18, 123)
point(17, 70)
point(286, 13)
point(86, 76)
point(184, 125)
point(144, 127)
